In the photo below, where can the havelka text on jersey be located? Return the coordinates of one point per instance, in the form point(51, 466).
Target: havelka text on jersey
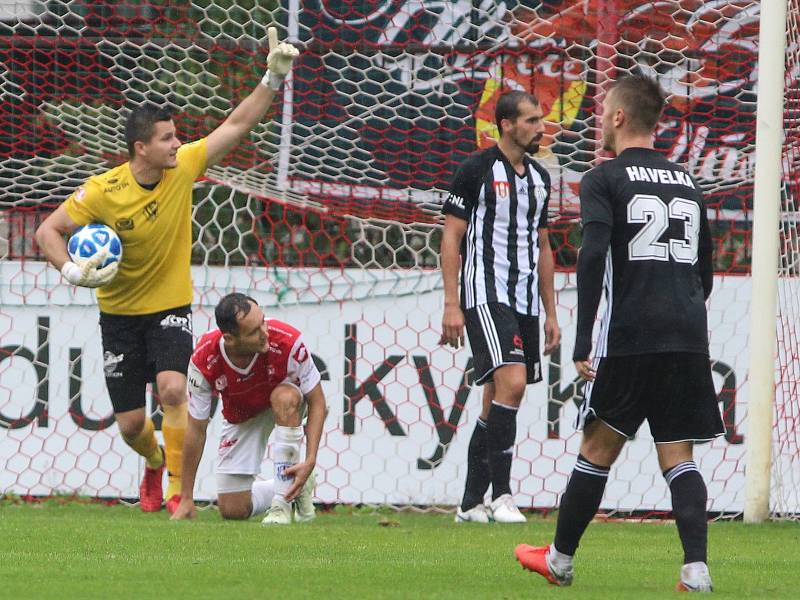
point(651, 175)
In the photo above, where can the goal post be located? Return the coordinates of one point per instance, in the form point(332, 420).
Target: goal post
point(765, 265)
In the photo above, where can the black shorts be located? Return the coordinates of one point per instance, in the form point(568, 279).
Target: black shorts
point(499, 336)
point(673, 391)
point(137, 347)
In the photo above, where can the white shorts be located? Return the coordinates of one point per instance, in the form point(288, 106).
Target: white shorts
point(229, 484)
point(242, 445)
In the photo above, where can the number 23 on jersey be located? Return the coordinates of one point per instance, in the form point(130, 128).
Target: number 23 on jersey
point(655, 215)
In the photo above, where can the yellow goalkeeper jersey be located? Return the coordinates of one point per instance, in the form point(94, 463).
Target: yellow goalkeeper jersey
point(155, 227)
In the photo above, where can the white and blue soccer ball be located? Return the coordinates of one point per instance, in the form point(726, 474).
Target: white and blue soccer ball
point(90, 239)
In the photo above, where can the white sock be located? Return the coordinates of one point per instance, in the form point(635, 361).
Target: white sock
point(262, 494)
point(285, 453)
point(558, 560)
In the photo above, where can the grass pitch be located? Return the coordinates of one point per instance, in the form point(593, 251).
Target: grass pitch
point(73, 550)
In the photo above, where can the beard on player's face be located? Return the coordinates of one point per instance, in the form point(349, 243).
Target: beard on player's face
point(609, 140)
point(528, 143)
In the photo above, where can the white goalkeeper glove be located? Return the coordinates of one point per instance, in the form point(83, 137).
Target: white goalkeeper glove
point(88, 275)
point(279, 60)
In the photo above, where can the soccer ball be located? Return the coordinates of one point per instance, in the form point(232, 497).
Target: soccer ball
point(90, 239)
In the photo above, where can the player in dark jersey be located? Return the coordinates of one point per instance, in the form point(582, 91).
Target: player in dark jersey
point(495, 234)
point(646, 240)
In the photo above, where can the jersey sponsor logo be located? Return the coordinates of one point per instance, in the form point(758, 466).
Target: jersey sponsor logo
point(273, 327)
point(456, 201)
point(301, 354)
point(151, 210)
point(212, 360)
point(123, 224)
point(184, 323)
point(110, 363)
point(221, 383)
point(501, 189)
point(115, 188)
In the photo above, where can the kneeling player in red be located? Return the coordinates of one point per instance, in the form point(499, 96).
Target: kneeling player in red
point(266, 379)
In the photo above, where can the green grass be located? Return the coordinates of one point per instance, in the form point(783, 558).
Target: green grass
point(72, 550)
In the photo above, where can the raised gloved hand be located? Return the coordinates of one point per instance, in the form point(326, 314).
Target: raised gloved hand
point(87, 274)
point(279, 60)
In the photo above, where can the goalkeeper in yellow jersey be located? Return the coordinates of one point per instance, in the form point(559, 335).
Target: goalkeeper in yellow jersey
point(145, 300)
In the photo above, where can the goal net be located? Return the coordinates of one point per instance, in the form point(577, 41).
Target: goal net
point(327, 214)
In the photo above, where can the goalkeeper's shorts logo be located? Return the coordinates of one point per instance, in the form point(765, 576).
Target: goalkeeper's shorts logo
point(110, 363)
point(184, 323)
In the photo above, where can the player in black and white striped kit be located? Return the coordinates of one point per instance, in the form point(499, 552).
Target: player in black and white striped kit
point(495, 235)
point(646, 241)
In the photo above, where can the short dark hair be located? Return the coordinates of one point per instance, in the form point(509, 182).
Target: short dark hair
point(229, 309)
point(642, 99)
point(508, 106)
point(141, 124)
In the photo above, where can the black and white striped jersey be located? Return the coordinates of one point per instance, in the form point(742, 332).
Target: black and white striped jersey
point(504, 212)
point(656, 255)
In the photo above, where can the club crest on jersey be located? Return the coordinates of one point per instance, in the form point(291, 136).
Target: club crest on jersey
point(501, 189)
point(221, 383)
point(151, 210)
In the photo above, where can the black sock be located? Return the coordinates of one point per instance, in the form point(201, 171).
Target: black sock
point(477, 468)
point(579, 504)
point(689, 497)
point(501, 430)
